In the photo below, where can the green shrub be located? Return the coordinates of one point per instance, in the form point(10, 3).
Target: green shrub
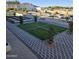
point(21, 19)
point(67, 19)
point(14, 14)
point(35, 18)
point(70, 26)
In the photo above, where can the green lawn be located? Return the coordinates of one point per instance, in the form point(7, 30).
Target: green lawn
point(40, 32)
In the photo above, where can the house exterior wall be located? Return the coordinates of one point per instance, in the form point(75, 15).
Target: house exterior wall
point(27, 6)
point(21, 5)
point(11, 5)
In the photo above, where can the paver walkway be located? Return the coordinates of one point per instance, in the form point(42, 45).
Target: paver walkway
point(19, 50)
point(45, 20)
point(63, 44)
point(55, 22)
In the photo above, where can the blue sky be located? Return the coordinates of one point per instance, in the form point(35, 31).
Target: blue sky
point(50, 2)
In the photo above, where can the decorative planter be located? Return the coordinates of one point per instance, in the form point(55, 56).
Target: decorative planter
point(50, 43)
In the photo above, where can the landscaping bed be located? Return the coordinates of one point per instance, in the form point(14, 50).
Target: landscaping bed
point(40, 29)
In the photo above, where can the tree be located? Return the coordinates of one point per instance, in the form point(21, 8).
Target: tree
point(21, 19)
point(46, 11)
point(7, 9)
point(67, 19)
point(24, 10)
point(51, 34)
point(36, 10)
point(27, 11)
point(56, 13)
point(14, 14)
point(49, 6)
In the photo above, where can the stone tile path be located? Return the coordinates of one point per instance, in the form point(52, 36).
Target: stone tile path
point(19, 50)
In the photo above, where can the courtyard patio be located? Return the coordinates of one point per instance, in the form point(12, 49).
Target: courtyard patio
point(63, 44)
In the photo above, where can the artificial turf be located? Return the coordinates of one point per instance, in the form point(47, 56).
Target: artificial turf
point(39, 29)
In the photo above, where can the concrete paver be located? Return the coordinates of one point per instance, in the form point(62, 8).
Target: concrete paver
point(19, 50)
point(63, 44)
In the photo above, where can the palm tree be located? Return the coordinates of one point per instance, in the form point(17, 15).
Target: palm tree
point(51, 34)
